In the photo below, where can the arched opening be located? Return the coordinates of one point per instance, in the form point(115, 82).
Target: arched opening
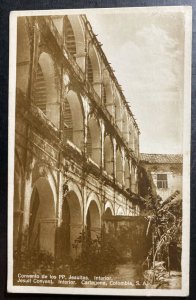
point(71, 224)
point(109, 209)
point(74, 120)
point(108, 100)
point(108, 220)
point(119, 166)
point(125, 126)
point(93, 220)
point(69, 37)
point(40, 96)
point(89, 143)
point(90, 71)
point(42, 223)
point(23, 55)
point(71, 28)
point(94, 69)
point(79, 35)
point(108, 212)
point(120, 211)
point(104, 96)
point(127, 175)
point(108, 155)
point(45, 90)
point(118, 112)
point(132, 136)
point(67, 121)
point(94, 141)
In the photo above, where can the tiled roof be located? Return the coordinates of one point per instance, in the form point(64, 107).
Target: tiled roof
point(161, 158)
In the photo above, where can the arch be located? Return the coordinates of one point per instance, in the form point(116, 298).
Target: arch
point(108, 155)
point(109, 210)
point(67, 121)
point(125, 129)
point(120, 211)
point(72, 223)
point(90, 71)
point(119, 166)
point(127, 174)
point(94, 64)
point(74, 187)
point(118, 114)
point(71, 29)
point(94, 139)
point(69, 37)
point(93, 197)
point(40, 93)
point(75, 116)
point(79, 34)
point(132, 136)
point(108, 100)
point(42, 222)
point(93, 217)
point(45, 88)
point(23, 55)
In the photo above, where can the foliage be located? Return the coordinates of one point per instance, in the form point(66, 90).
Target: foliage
point(165, 221)
point(97, 256)
point(33, 262)
point(154, 278)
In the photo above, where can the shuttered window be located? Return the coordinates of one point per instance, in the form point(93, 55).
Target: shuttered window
point(90, 71)
point(69, 37)
point(40, 90)
point(68, 127)
point(162, 181)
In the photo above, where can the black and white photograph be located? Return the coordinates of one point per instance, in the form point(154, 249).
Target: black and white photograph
point(99, 151)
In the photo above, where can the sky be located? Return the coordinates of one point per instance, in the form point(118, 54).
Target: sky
point(146, 51)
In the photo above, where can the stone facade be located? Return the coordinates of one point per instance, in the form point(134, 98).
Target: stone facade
point(76, 140)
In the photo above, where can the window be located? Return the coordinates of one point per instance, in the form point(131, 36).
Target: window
point(162, 181)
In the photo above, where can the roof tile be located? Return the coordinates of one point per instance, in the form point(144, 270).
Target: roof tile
point(161, 158)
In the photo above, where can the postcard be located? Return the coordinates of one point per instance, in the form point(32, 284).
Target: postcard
point(99, 151)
